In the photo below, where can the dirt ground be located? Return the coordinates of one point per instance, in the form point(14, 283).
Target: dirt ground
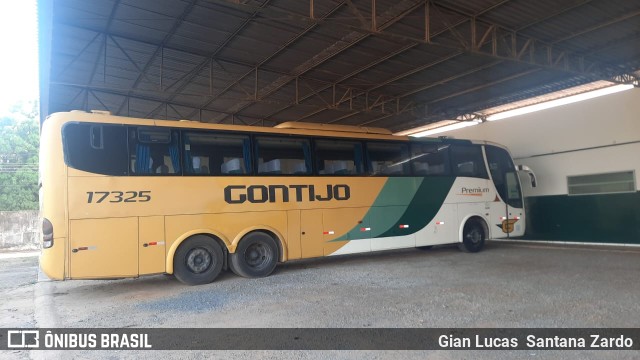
point(507, 285)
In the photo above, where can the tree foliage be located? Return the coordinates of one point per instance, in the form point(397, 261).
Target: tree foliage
point(19, 139)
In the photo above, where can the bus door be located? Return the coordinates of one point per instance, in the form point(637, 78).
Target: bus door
point(103, 248)
point(311, 233)
point(507, 208)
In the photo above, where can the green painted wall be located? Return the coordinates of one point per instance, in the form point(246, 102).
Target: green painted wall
point(608, 218)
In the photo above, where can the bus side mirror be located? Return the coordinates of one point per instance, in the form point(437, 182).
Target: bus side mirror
point(529, 172)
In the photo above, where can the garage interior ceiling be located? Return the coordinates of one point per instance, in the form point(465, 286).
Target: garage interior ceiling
point(396, 64)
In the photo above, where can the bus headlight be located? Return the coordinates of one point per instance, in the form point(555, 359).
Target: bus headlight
point(47, 233)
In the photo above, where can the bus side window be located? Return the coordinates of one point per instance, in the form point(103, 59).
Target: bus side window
point(388, 158)
point(339, 157)
point(153, 151)
point(97, 137)
point(285, 156)
point(209, 153)
point(96, 148)
point(467, 160)
point(430, 159)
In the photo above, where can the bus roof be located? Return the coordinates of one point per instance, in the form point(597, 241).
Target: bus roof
point(288, 128)
point(332, 127)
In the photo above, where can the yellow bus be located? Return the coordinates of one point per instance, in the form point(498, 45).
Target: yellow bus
point(124, 197)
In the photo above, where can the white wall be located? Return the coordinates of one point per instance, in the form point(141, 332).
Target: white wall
point(552, 170)
point(20, 230)
point(535, 139)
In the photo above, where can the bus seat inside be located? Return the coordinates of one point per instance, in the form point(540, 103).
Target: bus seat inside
point(270, 167)
point(299, 167)
point(231, 167)
point(466, 168)
point(435, 169)
point(421, 168)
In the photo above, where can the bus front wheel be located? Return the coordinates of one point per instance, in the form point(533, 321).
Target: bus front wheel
point(473, 236)
point(198, 260)
point(256, 256)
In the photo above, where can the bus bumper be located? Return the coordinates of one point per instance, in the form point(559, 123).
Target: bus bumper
point(52, 260)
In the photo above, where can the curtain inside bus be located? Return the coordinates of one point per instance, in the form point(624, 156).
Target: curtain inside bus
point(143, 159)
point(174, 153)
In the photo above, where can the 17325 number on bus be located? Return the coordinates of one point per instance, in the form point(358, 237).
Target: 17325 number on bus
point(96, 197)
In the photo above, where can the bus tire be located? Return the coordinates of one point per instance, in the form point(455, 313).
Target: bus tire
point(473, 236)
point(256, 255)
point(198, 260)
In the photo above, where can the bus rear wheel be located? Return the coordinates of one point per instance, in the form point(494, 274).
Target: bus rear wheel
point(256, 256)
point(198, 260)
point(473, 236)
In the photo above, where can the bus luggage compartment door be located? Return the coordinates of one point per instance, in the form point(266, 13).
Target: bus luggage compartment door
point(311, 233)
point(103, 248)
point(151, 245)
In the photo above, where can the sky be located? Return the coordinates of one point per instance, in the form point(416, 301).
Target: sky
point(18, 52)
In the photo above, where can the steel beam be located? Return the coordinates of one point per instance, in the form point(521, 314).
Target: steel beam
point(489, 35)
point(479, 38)
point(160, 47)
point(390, 17)
point(278, 51)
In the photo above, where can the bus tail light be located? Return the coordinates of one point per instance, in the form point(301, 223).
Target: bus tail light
point(47, 233)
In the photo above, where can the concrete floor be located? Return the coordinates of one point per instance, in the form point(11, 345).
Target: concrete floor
point(507, 285)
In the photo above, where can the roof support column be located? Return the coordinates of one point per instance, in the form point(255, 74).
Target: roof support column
point(374, 25)
point(255, 89)
point(427, 21)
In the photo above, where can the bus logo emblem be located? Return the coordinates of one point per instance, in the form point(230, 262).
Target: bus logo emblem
point(20, 339)
point(508, 225)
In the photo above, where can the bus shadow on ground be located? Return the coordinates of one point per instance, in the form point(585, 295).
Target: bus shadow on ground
point(390, 256)
point(150, 286)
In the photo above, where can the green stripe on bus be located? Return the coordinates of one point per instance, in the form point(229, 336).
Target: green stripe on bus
point(391, 204)
point(424, 206)
point(393, 200)
point(409, 201)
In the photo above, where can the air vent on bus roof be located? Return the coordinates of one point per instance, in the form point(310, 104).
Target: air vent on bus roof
point(101, 112)
point(331, 127)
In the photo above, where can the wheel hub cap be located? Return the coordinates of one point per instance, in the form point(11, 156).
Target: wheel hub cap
point(198, 260)
point(257, 256)
point(475, 236)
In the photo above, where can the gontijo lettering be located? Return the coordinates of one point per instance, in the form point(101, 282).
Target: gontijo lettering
point(238, 194)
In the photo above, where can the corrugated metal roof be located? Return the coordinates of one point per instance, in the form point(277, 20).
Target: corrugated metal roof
point(265, 62)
